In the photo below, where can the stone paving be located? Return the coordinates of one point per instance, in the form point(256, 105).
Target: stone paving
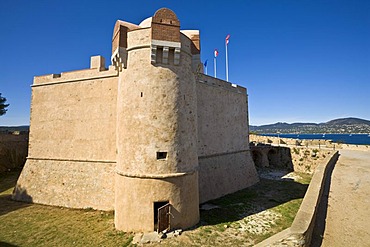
point(348, 213)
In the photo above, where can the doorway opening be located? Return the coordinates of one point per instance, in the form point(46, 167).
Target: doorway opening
point(161, 216)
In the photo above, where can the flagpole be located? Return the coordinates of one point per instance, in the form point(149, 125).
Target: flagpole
point(227, 60)
point(206, 70)
point(227, 65)
point(215, 67)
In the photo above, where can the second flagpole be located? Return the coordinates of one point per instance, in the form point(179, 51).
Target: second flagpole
point(214, 62)
point(227, 62)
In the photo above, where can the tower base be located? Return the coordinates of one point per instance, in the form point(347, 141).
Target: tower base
point(137, 198)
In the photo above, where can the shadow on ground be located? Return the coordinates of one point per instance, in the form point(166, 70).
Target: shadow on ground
point(4, 244)
point(266, 194)
point(8, 181)
point(8, 205)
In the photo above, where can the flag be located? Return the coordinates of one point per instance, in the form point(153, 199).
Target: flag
point(227, 39)
point(205, 63)
point(216, 52)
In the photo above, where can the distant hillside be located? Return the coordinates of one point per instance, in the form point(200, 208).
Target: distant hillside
point(348, 121)
point(340, 125)
point(14, 128)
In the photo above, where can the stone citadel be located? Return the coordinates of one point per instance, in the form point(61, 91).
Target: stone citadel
point(150, 137)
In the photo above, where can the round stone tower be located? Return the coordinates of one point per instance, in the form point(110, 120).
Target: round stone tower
point(157, 163)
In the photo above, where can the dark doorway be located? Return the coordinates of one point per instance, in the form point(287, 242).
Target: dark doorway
point(257, 158)
point(274, 158)
point(161, 216)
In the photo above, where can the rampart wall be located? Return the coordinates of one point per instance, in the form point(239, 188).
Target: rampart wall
point(74, 120)
point(307, 143)
point(225, 163)
point(72, 140)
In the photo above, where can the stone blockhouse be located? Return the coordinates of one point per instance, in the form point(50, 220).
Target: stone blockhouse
point(150, 137)
point(268, 156)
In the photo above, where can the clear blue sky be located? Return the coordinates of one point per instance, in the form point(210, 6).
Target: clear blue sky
point(301, 60)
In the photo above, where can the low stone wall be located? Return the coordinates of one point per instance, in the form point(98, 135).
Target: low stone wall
point(224, 174)
point(289, 141)
point(306, 143)
point(300, 233)
point(355, 147)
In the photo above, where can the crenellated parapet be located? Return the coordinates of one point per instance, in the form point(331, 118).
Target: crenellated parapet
point(97, 70)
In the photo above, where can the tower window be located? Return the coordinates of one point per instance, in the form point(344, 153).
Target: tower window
point(171, 55)
point(161, 155)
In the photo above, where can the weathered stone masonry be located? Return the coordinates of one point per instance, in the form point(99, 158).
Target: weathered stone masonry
point(150, 130)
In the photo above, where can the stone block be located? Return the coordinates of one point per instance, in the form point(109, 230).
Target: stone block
point(97, 62)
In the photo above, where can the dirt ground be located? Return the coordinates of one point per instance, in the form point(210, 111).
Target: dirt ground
point(348, 212)
point(239, 219)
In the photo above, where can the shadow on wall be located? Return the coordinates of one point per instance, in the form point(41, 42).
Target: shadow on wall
point(258, 158)
point(20, 194)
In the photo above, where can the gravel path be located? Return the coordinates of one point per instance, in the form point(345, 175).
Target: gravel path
point(348, 213)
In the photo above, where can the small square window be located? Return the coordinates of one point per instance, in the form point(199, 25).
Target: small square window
point(161, 155)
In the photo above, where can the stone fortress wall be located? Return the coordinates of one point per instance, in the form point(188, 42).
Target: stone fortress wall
point(71, 158)
point(149, 128)
point(223, 145)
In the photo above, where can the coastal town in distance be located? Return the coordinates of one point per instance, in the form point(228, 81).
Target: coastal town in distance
point(337, 126)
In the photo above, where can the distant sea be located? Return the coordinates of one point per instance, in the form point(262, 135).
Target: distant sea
point(357, 139)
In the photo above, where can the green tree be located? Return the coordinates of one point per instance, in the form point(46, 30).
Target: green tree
point(3, 106)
